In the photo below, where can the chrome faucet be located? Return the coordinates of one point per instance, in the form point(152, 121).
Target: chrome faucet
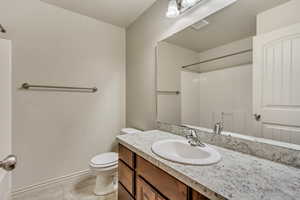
point(218, 128)
point(193, 138)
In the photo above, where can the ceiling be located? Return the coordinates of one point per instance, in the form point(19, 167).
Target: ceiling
point(233, 23)
point(117, 12)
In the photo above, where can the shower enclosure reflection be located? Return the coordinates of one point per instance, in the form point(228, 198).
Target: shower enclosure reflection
point(235, 78)
point(213, 90)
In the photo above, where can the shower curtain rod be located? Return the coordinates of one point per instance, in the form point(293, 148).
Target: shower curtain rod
point(218, 58)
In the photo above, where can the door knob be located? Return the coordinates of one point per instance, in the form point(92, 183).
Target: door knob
point(257, 117)
point(9, 163)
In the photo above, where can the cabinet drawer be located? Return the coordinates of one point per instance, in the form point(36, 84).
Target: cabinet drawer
point(126, 156)
point(123, 194)
point(144, 191)
point(126, 177)
point(163, 182)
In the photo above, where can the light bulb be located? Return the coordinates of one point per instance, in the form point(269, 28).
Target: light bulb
point(188, 3)
point(172, 9)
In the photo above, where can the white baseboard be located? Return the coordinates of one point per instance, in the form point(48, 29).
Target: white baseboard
point(51, 182)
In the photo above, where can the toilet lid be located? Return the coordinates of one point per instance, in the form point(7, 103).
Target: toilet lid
point(105, 159)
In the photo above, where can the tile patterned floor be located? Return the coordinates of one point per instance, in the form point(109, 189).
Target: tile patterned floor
point(73, 190)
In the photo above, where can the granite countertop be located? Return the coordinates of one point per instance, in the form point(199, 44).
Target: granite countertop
point(237, 177)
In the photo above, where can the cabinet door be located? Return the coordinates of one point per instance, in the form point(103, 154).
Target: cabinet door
point(126, 177)
point(276, 66)
point(144, 191)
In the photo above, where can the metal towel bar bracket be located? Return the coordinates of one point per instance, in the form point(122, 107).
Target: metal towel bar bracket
point(27, 86)
point(2, 29)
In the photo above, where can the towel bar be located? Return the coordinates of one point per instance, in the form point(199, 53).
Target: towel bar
point(27, 86)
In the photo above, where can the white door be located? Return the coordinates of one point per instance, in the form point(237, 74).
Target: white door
point(5, 119)
point(277, 84)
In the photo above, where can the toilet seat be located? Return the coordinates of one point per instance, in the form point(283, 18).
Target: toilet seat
point(104, 160)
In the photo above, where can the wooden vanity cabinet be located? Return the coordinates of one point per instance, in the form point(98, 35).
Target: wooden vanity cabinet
point(126, 177)
point(126, 174)
point(169, 186)
point(145, 192)
point(141, 180)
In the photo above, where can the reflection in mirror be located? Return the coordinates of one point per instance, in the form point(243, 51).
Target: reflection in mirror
point(206, 73)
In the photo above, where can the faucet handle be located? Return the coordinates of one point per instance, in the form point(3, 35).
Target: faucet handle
point(189, 134)
point(218, 128)
point(187, 129)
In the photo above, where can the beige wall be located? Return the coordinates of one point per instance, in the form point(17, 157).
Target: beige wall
point(5, 100)
point(55, 133)
point(279, 17)
point(5, 113)
point(141, 39)
point(230, 48)
point(190, 98)
point(170, 59)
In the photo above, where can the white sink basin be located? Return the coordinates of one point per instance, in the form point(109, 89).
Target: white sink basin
point(182, 152)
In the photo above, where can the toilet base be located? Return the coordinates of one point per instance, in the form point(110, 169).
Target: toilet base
point(105, 185)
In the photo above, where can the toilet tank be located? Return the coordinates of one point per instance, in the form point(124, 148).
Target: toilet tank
point(129, 131)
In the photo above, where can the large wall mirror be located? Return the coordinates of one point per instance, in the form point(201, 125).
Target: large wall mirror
point(222, 70)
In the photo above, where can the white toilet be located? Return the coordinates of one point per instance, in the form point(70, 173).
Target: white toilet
point(105, 167)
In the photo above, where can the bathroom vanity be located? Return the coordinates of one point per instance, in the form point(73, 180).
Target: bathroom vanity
point(145, 176)
point(141, 180)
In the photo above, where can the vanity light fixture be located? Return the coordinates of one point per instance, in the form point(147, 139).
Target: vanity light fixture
point(188, 3)
point(178, 7)
point(173, 9)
